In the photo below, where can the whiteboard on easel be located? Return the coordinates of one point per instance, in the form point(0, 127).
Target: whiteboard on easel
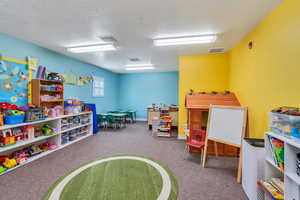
point(227, 124)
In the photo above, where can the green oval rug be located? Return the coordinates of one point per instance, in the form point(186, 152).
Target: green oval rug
point(116, 178)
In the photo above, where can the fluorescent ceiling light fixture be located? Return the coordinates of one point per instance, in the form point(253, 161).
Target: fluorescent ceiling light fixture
point(92, 48)
point(139, 68)
point(140, 65)
point(200, 39)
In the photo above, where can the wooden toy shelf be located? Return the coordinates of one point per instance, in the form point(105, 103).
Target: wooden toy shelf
point(38, 91)
point(291, 179)
point(55, 139)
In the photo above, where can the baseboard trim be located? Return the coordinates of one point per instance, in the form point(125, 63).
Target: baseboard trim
point(141, 119)
point(181, 137)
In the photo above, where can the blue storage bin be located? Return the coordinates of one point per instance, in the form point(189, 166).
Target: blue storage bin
point(14, 119)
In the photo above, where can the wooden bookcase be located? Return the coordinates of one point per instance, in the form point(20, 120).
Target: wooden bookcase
point(37, 92)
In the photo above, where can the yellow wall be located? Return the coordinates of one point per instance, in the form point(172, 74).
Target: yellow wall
point(201, 73)
point(268, 75)
point(262, 78)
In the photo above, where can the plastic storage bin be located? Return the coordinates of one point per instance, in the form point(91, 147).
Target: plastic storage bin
point(288, 125)
point(73, 109)
point(34, 114)
point(14, 119)
point(64, 139)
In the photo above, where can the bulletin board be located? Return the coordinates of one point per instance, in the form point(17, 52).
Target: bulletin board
point(14, 81)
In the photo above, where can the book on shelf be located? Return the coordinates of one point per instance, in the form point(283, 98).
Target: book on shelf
point(278, 183)
point(272, 188)
point(277, 150)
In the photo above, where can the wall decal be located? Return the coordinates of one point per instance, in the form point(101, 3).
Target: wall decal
point(14, 76)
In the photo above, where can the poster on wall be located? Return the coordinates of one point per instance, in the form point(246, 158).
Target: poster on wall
point(13, 81)
point(73, 79)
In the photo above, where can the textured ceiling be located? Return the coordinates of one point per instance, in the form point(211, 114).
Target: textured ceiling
point(57, 24)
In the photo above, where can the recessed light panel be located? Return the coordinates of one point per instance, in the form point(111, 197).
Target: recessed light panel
point(200, 39)
point(92, 48)
point(139, 68)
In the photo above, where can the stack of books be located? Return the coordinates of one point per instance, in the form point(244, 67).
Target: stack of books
point(273, 188)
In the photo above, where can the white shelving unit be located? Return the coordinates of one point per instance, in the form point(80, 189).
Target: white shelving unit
point(291, 179)
point(56, 139)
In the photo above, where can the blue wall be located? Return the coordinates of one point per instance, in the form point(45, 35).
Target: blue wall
point(125, 91)
point(18, 49)
point(137, 91)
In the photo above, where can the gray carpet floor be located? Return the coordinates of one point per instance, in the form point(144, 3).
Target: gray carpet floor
point(216, 182)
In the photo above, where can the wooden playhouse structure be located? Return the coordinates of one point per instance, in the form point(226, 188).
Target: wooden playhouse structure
point(197, 106)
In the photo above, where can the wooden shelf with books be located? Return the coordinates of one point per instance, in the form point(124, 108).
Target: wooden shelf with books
point(46, 93)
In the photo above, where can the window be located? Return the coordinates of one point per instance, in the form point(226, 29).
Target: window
point(98, 86)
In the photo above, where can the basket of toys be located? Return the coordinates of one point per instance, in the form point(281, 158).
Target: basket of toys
point(14, 117)
point(12, 114)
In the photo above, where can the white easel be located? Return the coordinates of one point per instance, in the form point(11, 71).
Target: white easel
point(227, 125)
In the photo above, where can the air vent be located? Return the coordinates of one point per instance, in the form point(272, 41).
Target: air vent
point(216, 50)
point(134, 59)
point(108, 39)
